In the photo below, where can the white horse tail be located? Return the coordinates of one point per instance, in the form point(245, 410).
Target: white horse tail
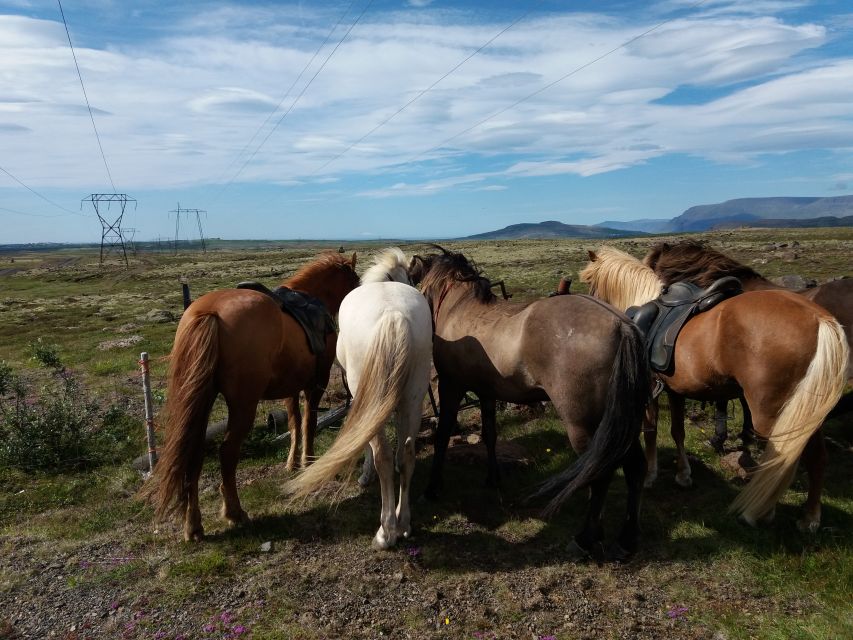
point(383, 379)
point(801, 416)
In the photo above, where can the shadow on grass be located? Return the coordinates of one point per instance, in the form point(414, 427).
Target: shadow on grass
point(490, 530)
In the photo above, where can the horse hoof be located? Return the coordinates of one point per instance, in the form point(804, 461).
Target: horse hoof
point(196, 535)
point(619, 554)
point(381, 543)
point(364, 480)
point(237, 519)
point(683, 481)
point(808, 526)
point(747, 520)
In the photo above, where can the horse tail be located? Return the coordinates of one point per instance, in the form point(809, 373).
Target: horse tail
point(625, 404)
point(189, 397)
point(383, 380)
point(801, 416)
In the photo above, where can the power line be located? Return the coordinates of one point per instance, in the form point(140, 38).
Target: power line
point(287, 93)
point(89, 106)
point(301, 93)
point(31, 215)
point(36, 193)
point(549, 85)
point(429, 88)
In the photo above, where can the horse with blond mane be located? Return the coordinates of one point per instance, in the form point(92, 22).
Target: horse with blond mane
point(239, 342)
point(693, 261)
point(385, 347)
point(793, 376)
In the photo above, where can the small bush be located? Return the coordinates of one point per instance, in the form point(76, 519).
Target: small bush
point(57, 429)
point(47, 355)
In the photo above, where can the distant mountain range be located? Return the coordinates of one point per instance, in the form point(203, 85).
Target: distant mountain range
point(551, 229)
point(743, 212)
point(751, 212)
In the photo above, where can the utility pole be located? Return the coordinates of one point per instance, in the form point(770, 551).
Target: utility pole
point(188, 212)
point(111, 232)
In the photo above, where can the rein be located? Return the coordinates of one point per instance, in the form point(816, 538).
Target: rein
point(441, 298)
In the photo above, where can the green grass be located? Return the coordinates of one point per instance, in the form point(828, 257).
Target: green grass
point(771, 582)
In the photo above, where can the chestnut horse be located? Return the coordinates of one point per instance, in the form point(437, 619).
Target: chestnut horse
point(694, 262)
point(793, 375)
point(385, 347)
point(583, 355)
point(239, 343)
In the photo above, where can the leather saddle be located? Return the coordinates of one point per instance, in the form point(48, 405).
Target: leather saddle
point(307, 310)
point(662, 319)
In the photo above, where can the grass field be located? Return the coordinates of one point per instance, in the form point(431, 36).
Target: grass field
point(81, 557)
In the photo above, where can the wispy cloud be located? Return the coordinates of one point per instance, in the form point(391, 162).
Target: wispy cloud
point(204, 85)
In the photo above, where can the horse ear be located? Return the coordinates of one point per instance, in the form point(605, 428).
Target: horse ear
point(592, 255)
point(353, 260)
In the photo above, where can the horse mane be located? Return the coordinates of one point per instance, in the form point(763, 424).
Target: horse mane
point(454, 267)
point(384, 263)
point(620, 279)
point(693, 261)
point(323, 263)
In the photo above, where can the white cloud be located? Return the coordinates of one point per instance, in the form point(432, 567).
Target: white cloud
point(176, 111)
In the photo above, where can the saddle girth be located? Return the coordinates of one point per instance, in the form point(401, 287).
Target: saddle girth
point(662, 319)
point(308, 311)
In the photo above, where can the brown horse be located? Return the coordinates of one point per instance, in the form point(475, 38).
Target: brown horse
point(239, 343)
point(694, 262)
point(793, 375)
point(583, 355)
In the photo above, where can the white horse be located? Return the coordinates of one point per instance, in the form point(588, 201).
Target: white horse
point(385, 348)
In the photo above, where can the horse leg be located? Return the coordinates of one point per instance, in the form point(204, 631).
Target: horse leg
point(449, 398)
point(294, 425)
point(489, 433)
point(386, 536)
point(682, 464)
point(241, 417)
point(368, 469)
point(747, 432)
point(589, 540)
point(650, 437)
point(193, 530)
point(814, 460)
point(721, 430)
point(408, 422)
point(309, 424)
point(634, 467)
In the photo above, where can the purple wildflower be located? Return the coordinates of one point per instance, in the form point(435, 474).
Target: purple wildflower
point(113, 605)
point(414, 552)
point(238, 630)
point(159, 635)
point(209, 628)
point(676, 612)
point(226, 617)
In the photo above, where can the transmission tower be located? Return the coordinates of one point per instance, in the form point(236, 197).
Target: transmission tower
point(188, 212)
point(111, 231)
point(129, 233)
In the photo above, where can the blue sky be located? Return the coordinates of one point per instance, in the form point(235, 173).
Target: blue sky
point(722, 100)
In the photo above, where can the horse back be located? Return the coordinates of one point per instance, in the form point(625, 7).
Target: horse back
point(261, 348)
point(767, 337)
point(522, 353)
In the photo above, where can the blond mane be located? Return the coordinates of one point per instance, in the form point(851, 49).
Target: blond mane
point(390, 263)
point(620, 279)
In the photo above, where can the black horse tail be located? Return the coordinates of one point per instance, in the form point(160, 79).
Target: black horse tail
point(627, 395)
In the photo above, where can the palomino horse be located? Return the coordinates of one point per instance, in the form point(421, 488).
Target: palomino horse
point(692, 261)
point(239, 343)
point(584, 356)
point(384, 345)
point(786, 355)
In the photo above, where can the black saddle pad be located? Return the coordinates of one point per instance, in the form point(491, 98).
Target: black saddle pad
point(662, 319)
point(307, 310)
